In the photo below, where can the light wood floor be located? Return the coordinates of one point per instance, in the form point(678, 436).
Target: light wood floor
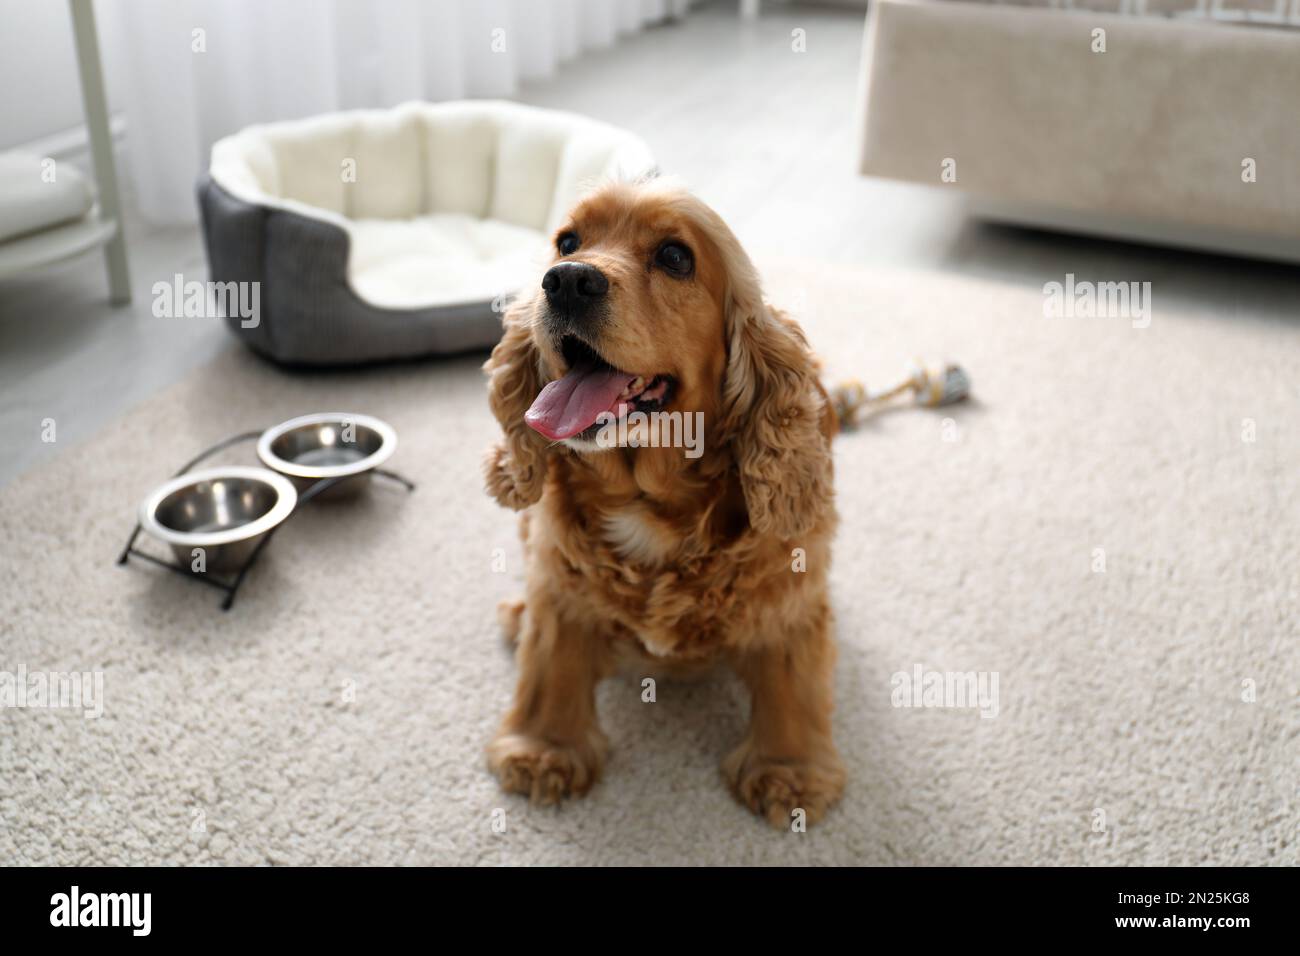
point(761, 132)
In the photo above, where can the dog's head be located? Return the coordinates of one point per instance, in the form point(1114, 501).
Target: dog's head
point(651, 305)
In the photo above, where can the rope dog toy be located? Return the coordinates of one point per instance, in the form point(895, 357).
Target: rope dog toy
point(932, 385)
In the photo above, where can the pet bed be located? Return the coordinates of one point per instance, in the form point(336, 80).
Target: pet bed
point(378, 235)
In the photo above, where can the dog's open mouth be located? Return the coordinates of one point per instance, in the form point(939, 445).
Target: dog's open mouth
point(592, 387)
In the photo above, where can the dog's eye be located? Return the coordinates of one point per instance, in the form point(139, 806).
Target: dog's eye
point(675, 257)
point(567, 243)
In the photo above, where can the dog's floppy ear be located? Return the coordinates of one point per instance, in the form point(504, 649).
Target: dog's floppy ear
point(772, 412)
point(515, 469)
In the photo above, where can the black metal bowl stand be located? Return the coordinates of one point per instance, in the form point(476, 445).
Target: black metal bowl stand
point(231, 587)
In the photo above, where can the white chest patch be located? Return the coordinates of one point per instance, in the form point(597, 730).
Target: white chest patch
point(632, 533)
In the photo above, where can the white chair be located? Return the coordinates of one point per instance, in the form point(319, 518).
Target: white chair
point(50, 212)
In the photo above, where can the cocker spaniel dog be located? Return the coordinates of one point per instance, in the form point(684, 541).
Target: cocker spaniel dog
point(644, 555)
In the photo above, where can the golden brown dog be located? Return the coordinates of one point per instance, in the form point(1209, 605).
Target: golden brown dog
point(646, 556)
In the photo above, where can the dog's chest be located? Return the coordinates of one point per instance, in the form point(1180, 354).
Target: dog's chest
point(653, 545)
point(638, 536)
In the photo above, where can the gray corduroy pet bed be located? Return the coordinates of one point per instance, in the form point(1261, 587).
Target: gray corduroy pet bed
point(379, 235)
point(309, 315)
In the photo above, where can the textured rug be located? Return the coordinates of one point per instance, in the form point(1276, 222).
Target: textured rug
point(1111, 531)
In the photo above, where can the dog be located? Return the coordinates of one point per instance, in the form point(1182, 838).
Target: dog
point(641, 557)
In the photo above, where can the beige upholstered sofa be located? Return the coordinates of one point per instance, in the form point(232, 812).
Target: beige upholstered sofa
point(1162, 123)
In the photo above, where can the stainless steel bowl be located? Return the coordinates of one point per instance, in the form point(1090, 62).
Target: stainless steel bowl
point(224, 511)
point(337, 445)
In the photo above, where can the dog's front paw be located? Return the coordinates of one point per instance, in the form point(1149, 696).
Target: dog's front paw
point(774, 788)
point(511, 486)
point(544, 771)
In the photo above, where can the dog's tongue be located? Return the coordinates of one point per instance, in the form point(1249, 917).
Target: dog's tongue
point(572, 404)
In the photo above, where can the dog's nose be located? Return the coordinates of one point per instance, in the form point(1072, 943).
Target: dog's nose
point(573, 287)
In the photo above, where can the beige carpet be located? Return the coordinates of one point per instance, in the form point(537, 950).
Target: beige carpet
point(226, 738)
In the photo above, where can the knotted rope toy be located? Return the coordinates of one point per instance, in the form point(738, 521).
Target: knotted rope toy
point(932, 384)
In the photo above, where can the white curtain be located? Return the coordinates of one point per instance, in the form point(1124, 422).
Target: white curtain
point(191, 71)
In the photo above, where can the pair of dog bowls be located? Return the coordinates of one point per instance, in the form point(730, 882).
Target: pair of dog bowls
point(227, 511)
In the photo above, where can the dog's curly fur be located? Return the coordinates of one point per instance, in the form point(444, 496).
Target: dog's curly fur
point(648, 558)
